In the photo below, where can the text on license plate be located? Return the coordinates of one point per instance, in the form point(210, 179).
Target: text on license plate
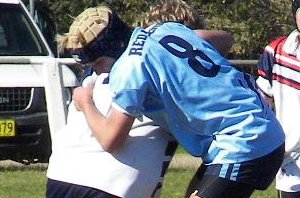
point(7, 128)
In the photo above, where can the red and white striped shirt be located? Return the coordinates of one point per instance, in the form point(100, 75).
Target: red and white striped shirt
point(279, 78)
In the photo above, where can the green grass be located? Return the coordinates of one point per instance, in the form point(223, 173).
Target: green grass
point(180, 150)
point(32, 184)
point(22, 184)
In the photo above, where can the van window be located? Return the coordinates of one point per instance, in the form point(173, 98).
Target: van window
point(3, 39)
point(17, 35)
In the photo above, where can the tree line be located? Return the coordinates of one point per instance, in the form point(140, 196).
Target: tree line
point(252, 23)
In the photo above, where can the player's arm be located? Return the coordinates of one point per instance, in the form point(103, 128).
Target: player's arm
point(220, 39)
point(268, 99)
point(110, 131)
point(264, 70)
point(194, 194)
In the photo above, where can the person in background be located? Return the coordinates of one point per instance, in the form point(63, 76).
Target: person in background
point(78, 165)
point(180, 81)
point(279, 84)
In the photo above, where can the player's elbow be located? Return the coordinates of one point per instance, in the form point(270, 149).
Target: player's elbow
point(111, 147)
point(113, 144)
point(113, 131)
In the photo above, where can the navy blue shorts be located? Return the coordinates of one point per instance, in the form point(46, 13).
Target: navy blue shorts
point(281, 194)
point(239, 179)
point(60, 189)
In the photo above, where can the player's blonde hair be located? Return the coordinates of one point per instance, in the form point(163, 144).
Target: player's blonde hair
point(173, 10)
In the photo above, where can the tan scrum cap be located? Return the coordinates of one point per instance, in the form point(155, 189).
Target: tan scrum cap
point(96, 32)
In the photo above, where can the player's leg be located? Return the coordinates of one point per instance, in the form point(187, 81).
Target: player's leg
point(238, 180)
point(195, 181)
point(208, 184)
point(211, 186)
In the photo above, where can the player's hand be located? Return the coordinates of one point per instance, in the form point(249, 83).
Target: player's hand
point(82, 97)
point(194, 194)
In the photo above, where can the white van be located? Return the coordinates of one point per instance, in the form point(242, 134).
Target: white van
point(24, 128)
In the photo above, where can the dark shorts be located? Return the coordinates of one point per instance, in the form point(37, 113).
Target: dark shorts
point(281, 194)
point(60, 189)
point(239, 179)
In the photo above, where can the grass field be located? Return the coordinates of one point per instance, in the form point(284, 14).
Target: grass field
point(22, 184)
point(28, 183)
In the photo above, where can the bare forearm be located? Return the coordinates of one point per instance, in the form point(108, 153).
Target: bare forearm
point(111, 131)
point(96, 122)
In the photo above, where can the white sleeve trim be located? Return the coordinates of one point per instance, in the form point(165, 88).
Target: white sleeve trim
point(117, 107)
point(265, 86)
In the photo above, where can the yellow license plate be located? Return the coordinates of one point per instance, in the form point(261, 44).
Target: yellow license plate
point(7, 128)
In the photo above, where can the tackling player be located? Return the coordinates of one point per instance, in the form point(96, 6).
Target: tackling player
point(78, 164)
point(182, 82)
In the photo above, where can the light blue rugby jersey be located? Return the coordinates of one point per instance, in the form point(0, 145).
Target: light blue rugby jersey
point(171, 75)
